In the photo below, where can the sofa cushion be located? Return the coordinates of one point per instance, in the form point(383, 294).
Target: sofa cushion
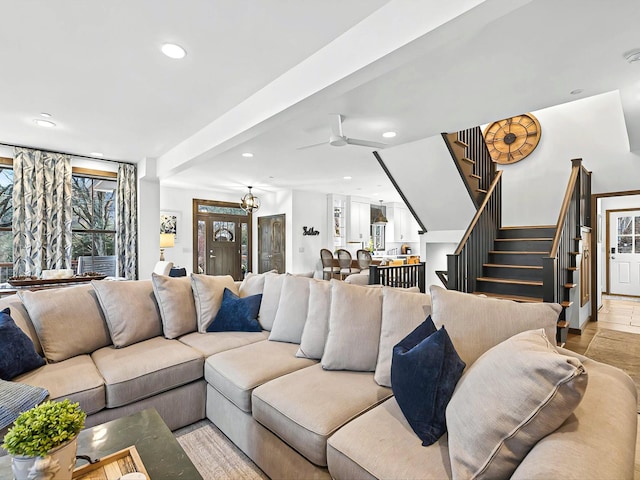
point(68, 321)
point(18, 353)
point(270, 299)
point(316, 326)
point(424, 374)
point(235, 373)
point(21, 317)
point(146, 368)
point(211, 343)
point(533, 391)
point(253, 283)
point(402, 311)
point(77, 379)
point(475, 324)
point(292, 309)
point(175, 302)
point(381, 444)
point(130, 309)
point(306, 407)
point(354, 328)
point(207, 294)
point(237, 314)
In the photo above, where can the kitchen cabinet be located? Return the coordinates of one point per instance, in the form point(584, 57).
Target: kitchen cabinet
point(359, 221)
point(402, 227)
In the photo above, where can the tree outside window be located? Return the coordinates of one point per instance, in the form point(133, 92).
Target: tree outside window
point(6, 214)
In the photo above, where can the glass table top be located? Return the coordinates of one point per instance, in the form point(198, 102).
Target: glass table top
point(162, 455)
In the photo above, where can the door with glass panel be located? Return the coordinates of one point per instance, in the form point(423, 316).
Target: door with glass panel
point(624, 252)
point(222, 240)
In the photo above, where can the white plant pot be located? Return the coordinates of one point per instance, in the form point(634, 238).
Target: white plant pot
point(57, 465)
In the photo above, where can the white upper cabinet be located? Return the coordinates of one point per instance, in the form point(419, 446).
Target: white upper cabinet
point(402, 227)
point(359, 221)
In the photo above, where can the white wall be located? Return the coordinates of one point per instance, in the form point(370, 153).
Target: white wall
point(309, 209)
point(592, 129)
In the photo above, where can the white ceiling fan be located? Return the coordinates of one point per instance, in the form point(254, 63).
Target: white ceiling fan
point(338, 139)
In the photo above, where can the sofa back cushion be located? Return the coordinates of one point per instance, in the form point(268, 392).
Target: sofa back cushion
point(402, 312)
point(293, 306)
point(354, 328)
point(176, 304)
point(253, 283)
point(69, 321)
point(270, 299)
point(475, 324)
point(316, 327)
point(21, 317)
point(130, 309)
point(207, 294)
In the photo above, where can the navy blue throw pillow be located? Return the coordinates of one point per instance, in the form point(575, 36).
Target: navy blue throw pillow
point(237, 314)
point(18, 353)
point(425, 369)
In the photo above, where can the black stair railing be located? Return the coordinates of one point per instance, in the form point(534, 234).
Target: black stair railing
point(465, 264)
point(477, 150)
point(574, 213)
point(403, 276)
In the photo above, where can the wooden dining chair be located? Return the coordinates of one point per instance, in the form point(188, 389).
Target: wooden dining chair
point(329, 270)
point(344, 260)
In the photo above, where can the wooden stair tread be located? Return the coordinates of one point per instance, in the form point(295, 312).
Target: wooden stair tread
point(468, 160)
point(473, 175)
point(518, 253)
point(570, 285)
point(501, 265)
point(574, 253)
point(480, 190)
point(512, 281)
point(573, 269)
point(562, 324)
point(566, 304)
point(461, 143)
point(525, 227)
point(524, 239)
point(516, 298)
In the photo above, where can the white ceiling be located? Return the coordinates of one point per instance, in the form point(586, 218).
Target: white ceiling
point(264, 75)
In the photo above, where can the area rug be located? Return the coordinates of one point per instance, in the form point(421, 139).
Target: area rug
point(213, 454)
point(620, 349)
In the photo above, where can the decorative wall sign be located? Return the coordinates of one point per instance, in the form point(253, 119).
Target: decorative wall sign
point(310, 231)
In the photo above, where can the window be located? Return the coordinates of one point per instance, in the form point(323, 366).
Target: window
point(93, 224)
point(6, 214)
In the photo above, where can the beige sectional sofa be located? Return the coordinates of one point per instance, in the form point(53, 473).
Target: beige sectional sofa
point(309, 396)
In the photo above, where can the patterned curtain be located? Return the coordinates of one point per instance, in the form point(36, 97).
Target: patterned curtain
point(41, 211)
point(127, 222)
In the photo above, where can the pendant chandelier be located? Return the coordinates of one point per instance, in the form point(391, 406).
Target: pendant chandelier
point(380, 219)
point(250, 203)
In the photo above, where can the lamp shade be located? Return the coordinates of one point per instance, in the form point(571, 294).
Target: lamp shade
point(167, 240)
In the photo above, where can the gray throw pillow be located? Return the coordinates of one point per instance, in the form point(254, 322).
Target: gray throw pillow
point(207, 294)
point(514, 395)
point(270, 299)
point(292, 310)
point(316, 327)
point(176, 304)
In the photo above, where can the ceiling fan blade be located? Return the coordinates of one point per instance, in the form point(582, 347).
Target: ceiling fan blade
point(312, 145)
point(336, 125)
point(365, 143)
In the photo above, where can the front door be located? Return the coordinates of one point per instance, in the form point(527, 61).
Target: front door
point(271, 244)
point(222, 239)
point(624, 252)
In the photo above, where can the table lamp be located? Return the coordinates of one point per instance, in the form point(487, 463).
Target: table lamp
point(166, 241)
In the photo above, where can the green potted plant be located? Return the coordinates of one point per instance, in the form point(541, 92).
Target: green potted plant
point(43, 440)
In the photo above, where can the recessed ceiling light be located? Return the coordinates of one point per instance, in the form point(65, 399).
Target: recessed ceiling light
point(45, 114)
point(389, 134)
point(96, 154)
point(247, 154)
point(347, 178)
point(577, 91)
point(632, 56)
point(172, 50)
point(44, 123)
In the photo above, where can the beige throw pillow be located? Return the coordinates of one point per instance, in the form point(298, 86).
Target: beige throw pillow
point(68, 321)
point(177, 307)
point(515, 394)
point(402, 312)
point(270, 299)
point(475, 324)
point(207, 294)
point(354, 328)
point(253, 283)
point(130, 309)
point(292, 310)
point(316, 327)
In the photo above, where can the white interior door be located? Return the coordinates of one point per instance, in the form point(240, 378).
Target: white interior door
point(624, 252)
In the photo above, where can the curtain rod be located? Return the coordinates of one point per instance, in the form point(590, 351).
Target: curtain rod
point(70, 154)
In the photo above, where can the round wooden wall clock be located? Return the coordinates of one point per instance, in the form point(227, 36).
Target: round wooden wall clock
point(512, 139)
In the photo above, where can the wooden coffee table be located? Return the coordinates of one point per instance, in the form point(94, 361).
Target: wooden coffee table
point(162, 455)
